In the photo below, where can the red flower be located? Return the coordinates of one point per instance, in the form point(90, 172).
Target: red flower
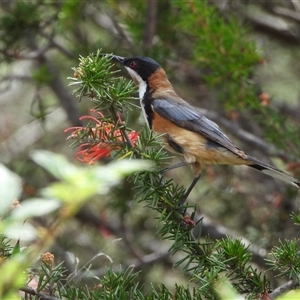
point(109, 139)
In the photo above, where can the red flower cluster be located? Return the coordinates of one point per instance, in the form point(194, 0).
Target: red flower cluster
point(89, 152)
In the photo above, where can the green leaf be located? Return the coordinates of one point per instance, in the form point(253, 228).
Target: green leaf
point(93, 180)
point(54, 163)
point(24, 232)
point(15, 275)
point(116, 170)
point(226, 291)
point(291, 295)
point(10, 188)
point(68, 192)
point(34, 208)
point(16, 249)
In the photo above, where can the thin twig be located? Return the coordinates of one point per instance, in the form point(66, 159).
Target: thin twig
point(129, 241)
point(28, 134)
point(296, 5)
point(58, 46)
point(42, 296)
point(150, 23)
point(274, 24)
point(55, 83)
point(125, 133)
point(283, 288)
point(35, 54)
point(109, 23)
point(16, 77)
point(282, 11)
point(136, 263)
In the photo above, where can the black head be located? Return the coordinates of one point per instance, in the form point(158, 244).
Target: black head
point(142, 66)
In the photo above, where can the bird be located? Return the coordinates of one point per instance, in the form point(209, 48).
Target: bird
point(185, 131)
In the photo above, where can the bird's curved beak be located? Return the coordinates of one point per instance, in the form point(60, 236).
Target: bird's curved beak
point(115, 57)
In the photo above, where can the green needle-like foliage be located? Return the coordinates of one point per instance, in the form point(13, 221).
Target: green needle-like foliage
point(296, 218)
point(220, 40)
point(286, 259)
point(96, 79)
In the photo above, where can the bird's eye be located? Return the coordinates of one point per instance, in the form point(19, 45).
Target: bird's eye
point(132, 64)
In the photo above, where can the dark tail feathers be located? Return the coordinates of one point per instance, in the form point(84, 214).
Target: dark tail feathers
point(271, 171)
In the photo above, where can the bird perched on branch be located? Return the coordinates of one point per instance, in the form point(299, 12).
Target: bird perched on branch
point(187, 132)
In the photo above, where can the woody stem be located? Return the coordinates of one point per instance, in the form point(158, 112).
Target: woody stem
point(123, 130)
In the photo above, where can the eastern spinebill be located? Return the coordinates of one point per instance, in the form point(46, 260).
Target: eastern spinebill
point(185, 131)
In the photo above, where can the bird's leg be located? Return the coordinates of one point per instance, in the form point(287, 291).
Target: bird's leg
point(197, 173)
point(190, 188)
point(181, 164)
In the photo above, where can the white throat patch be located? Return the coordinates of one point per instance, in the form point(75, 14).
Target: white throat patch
point(142, 89)
point(138, 78)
